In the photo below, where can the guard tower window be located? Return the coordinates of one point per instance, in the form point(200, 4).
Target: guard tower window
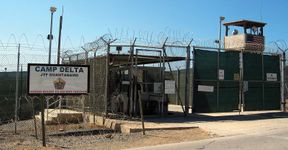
point(244, 35)
point(249, 27)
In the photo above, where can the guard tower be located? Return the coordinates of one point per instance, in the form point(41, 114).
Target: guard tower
point(250, 37)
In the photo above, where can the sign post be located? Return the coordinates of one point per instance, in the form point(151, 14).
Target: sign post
point(52, 79)
point(42, 98)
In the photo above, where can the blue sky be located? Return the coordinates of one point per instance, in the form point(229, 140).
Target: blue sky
point(93, 18)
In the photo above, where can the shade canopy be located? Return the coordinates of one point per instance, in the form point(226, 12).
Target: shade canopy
point(245, 23)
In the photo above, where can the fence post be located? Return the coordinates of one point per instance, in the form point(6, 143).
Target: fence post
point(193, 79)
point(163, 80)
point(284, 94)
point(263, 80)
point(16, 91)
point(107, 79)
point(187, 80)
point(241, 92)
point(84, 97)
point(283, 81)
point(94, 87)
point(177, 85)
point(131, 78)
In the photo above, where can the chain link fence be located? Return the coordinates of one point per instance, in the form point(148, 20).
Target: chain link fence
point(115, 65)
point(20, 113)
point(17, 111)
point(13, 82)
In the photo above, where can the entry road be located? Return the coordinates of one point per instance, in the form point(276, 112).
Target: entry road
point(268, 131)
point(271, 140)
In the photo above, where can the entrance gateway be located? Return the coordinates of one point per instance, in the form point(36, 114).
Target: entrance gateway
point(239, 76)
point(258, 89)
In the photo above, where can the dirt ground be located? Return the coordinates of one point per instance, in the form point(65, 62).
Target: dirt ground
point(151, 138)
point(107, 141)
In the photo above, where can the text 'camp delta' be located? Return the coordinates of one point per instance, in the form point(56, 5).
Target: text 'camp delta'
point(61, 69)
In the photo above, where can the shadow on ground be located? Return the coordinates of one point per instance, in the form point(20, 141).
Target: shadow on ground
point(176, 117)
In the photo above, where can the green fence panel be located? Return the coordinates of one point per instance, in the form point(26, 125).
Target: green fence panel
point(9, 82)
point(205, 65)
point(229, 62)
point(228, 96)
point(252, 64)
point(254, 96)
point(272, 96)
point(271, 65)
point(181, 85)
point(205, 101)
point(7, 96)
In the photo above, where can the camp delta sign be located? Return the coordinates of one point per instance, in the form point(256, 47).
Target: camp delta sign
point(58, 79)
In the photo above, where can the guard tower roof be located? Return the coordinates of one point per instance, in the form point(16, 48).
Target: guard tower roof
point(245, 23)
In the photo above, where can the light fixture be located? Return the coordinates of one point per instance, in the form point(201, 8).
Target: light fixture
point(53, 9)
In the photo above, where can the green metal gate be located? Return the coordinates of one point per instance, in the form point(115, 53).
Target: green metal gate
point(210, 96)
point(260, 84)
point(263, 93)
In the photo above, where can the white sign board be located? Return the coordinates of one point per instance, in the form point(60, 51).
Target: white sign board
point(221, 74)
point(58, 79)
point(271, 76)
point(169, 87)
point(126, 82)
point(205, 88)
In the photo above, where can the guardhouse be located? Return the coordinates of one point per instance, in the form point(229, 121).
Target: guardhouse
point(249, 38)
